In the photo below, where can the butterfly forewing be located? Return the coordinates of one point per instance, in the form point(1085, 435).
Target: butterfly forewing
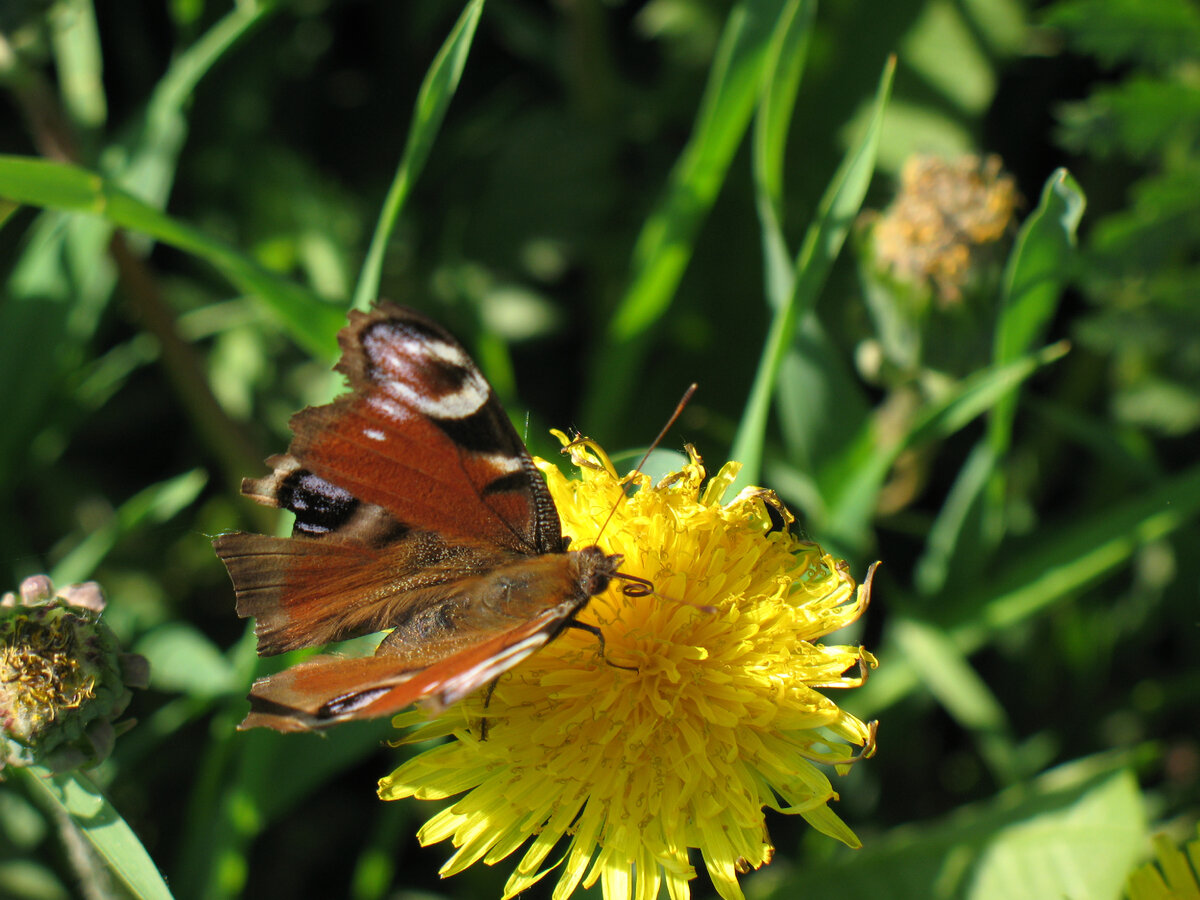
point(424, 437)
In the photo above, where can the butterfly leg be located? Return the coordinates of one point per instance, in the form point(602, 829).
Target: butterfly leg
point(487, 699)
point(592, 629)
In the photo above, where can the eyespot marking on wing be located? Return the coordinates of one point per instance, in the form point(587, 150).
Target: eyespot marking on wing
point(423, 370)
point(320, 506)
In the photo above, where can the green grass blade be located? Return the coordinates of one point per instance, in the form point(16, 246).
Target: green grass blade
point(311, 323)
point(375, 871)
point(664, 246)
point(1037, 267)
point(665, 243)
point(79, 62)
point(1069, 557)
point(945, 547)
point(81, 801)
point(780, 83)
point(949, 676)
point(977, 394)
point(1033, 281)
point(156, 503)
point(852, 485)
point(247, 781)
point(437, 90)
point(822, 243)
point(153, 150)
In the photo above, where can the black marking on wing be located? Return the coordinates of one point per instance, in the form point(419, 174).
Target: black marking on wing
point(320, 506)
point(514, 481)
point(480, 431)
point(348, 703)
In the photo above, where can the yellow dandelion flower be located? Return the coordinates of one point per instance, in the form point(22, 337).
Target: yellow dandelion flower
point(700, 710)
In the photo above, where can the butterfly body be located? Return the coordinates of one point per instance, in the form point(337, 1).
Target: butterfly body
point(418, 509)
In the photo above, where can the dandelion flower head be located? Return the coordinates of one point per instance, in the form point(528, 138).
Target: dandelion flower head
point(700, 709)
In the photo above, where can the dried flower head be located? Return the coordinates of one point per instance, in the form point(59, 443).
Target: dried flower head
point(63, 678)
point(945, 214)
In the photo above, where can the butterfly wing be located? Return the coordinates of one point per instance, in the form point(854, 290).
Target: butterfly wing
point(463, 634)
point(423, 436)
point(413, 481)
point(328, 690)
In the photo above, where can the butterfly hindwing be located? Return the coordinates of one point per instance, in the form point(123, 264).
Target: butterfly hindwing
point(305, 593)
point(327, 690)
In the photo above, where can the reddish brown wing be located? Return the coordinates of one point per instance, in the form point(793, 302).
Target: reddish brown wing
point(411, 482)
point(423, 436)
point(329, 690)
point(305, 592)
point(455, 638)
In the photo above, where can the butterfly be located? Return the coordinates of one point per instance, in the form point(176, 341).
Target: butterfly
point(418, 509)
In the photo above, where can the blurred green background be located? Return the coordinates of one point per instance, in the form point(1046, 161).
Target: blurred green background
point(607, 201)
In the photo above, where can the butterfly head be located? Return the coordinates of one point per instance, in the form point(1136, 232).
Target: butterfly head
point(596, 569)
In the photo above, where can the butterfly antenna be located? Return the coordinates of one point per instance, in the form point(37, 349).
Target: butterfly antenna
point(683, 401)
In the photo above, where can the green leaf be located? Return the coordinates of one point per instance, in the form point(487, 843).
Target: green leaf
point(156, 503)
point(77, 798)
point(1033, 280)
point(437, 90)
point(152, 150)
point(1083, 849)
point(944, 51)
point(822, 243)
point(1073, 833)
point(24, 879)
point(664, 246)
point(183, 660)
point(310, 322)
point(1064, 558)
point(78, 59)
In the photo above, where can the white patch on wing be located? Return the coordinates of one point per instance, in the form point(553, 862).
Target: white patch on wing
point(502, 462)
point(374, 434)
point(464, 402)
point(454, 689)
point(388, 408)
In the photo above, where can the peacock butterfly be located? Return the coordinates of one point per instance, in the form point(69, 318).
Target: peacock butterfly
point(418, 509)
